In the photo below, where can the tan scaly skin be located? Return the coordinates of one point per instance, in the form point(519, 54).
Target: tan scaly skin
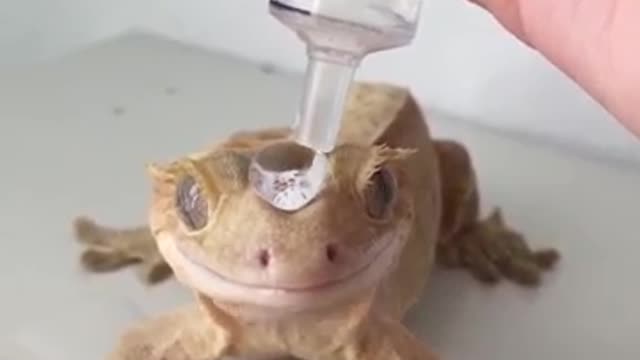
point(330, 281)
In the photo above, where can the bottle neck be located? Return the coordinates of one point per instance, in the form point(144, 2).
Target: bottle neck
point(328, 79)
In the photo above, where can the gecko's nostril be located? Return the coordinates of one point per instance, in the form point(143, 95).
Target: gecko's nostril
point(332, 253)
point(264, 258)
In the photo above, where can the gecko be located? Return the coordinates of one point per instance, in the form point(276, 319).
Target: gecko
point(333, 280)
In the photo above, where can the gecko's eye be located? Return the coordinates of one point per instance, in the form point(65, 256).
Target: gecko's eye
point(380, 193)
point(191, 205)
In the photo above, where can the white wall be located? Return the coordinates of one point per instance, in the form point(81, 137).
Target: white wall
point(461, 61)
point(34, 30)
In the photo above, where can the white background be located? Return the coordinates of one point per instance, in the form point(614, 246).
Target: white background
point(462, 62)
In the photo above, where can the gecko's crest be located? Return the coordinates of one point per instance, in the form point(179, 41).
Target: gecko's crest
point(193, 187)
point(369, 171)
point(221, 170)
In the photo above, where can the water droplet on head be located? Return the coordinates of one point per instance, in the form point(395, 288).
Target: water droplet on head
point(288, 175)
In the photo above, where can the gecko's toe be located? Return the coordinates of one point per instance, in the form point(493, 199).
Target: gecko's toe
point(103, 261)
point(547, 258)
point(154, 272)
point(87, 231)
point(521, 271)
point(484, 271)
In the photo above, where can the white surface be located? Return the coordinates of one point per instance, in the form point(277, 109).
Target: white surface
point(75, 136)
point(461, 62)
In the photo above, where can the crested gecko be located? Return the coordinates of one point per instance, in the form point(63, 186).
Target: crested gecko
point(332, 280)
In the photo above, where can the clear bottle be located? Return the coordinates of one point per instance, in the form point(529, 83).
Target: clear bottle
point(338, 34)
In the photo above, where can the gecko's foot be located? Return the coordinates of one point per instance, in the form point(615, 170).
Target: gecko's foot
point(108, 250)
point(491, 251)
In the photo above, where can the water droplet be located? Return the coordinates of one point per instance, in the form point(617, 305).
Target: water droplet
point(288, 176)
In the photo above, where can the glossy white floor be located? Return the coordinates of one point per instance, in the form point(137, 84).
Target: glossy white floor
point(74, 138)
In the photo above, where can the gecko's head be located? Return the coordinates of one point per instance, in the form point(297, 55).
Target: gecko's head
point(225, 241)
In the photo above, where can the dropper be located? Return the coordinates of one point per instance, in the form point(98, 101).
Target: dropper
point(338, 34)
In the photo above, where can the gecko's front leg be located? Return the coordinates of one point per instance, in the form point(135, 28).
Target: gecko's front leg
point(383, 339)
point(109, 249)
point(186, 334)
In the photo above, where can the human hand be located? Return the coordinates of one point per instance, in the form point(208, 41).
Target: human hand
point(595, 42)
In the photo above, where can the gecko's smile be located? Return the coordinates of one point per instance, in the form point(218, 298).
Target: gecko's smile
point(295, 298)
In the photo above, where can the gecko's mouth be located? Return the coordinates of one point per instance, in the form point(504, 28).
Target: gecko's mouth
point(293, 298)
